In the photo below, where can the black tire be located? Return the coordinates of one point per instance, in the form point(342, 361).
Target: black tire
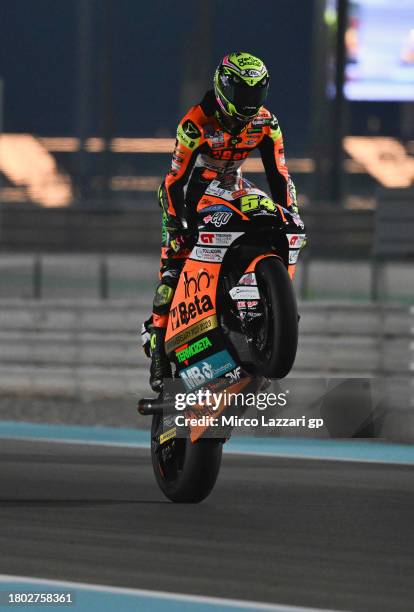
point(192, 470)
point(275, 342)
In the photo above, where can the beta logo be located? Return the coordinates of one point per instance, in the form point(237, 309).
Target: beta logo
point(185, 312)
point(203, 371)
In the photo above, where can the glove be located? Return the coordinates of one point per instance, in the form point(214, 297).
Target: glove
point(179, 243)
point(296, 218)
point(180, 237)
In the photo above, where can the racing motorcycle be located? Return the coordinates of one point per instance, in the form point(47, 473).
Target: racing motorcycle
point(233, 324)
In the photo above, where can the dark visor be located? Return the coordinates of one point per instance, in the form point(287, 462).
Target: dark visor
point(247, 99)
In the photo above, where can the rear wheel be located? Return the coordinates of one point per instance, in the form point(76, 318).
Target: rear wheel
point(274, 335)
point(185, 472)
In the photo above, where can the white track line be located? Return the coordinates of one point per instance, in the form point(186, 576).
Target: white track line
point(161, 595)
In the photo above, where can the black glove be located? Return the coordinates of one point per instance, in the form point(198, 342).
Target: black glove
point(181, 236)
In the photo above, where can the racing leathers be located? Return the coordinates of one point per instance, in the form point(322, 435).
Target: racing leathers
point(204, 150)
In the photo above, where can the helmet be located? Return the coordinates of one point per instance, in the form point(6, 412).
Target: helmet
point(241, 82)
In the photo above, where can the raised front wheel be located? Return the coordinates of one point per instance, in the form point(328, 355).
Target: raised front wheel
point(274, 340)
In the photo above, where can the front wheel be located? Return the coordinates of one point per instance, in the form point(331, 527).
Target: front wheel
point(185, 472)
point(274, 341)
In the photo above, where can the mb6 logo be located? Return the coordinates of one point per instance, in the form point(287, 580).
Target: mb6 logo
point(204, 371)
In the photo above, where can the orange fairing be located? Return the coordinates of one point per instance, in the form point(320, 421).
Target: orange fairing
point(256, 260)
point(291, 270)
point(208, 200)
point(282, 214)
point(195, 296)
point(253, 264)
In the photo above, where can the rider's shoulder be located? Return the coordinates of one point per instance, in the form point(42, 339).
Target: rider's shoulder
point(194, 114)
point(190, 128)
point(208, 104)
point(202, 112)
point(266, 118)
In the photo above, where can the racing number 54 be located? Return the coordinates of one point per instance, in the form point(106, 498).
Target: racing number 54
point(251, 202)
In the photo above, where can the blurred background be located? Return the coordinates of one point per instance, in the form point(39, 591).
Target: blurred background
point(91, 92)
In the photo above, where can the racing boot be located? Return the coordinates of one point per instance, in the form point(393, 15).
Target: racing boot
point(160, 365)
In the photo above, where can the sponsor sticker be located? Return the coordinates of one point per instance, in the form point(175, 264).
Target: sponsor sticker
point(239, 193)
point(248, 279)
point(219, 238)
point(188, 134)
point(293, 256)
point(196, 283)
point(208, 369)
point(245, 293)
point(218, 218)
point(214, 189)
point(201, 327)
point(185, 352)
point(171, 433)
point(234, 375)
point(298, 221)
point(295, 240)
point(207, 254)
point(216, 208)
point(184, 312)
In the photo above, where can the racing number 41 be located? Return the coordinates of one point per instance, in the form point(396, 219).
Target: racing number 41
point(251, 202)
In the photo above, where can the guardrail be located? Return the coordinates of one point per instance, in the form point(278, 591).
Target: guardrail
point(345, 338)
point(334, 232)
point(117, 276)
point(90, 351)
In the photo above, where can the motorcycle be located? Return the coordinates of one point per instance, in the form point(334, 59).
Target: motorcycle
point(233, 324)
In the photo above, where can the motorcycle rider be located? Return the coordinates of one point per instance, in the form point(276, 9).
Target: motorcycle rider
point(213, 139)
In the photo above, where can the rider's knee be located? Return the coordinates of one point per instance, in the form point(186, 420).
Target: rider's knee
point(163, 298)
point(165, 291)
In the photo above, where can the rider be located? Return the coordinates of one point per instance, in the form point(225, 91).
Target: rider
point(213, 139)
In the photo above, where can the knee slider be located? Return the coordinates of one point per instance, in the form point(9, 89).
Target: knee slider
point(163, 298)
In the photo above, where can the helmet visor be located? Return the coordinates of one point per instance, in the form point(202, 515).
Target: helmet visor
point(246, 99)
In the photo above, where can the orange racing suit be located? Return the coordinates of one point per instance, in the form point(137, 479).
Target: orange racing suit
point(204, 150)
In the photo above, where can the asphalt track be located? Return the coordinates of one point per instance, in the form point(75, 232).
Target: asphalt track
point(322, 534)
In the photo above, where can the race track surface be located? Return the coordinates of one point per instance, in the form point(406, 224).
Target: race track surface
point(321, 534)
